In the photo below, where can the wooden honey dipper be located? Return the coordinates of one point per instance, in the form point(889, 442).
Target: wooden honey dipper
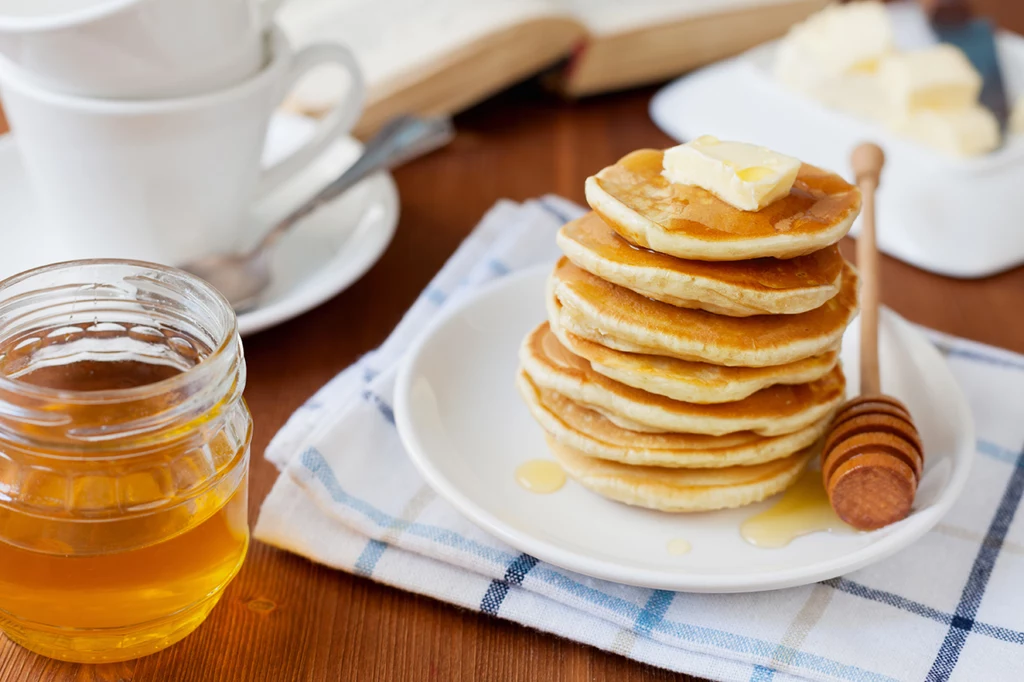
point(872, 458)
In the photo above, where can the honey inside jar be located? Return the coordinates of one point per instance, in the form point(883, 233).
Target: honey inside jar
point(124, 448)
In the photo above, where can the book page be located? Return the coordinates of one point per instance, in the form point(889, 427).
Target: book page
point(392, 38)
point(607, 17)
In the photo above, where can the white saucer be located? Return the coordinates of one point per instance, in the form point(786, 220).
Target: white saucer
point(466, 430)
point(319, 258)
point(956, 217)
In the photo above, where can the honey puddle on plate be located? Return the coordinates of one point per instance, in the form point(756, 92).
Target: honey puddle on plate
point(803, 509)
point(678, 546)
point(540, 476)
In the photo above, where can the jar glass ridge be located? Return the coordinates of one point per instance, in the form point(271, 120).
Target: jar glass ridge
point(124, 445)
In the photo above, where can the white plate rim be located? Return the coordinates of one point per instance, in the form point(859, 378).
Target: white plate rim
point(895, 539)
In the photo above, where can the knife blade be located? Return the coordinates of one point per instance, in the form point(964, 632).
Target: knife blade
point(953, 22)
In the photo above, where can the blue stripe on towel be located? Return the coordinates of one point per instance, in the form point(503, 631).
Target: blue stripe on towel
point(977, 355)
point(995, 451)
point(997, 632)
point(436, 296)
point(919, 609)
point(315, 463)
point(750, 646)
point(970, 600)
point(381, 406)
point(654, 612)
point(367, 561)
point(553, 210)
point(498, 589)
point(497, 267)
point(888, 598)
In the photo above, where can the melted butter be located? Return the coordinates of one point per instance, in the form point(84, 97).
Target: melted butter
point(540, 476)
point(817, 201)
point(868, 66)
point(803, 509)
point(754, 173)
point(678, 546)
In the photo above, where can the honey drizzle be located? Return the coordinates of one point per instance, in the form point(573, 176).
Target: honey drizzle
point(804, 508)
point(678, 546)
point(541, 476)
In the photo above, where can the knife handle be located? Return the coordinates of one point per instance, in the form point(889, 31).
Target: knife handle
point(948, 11)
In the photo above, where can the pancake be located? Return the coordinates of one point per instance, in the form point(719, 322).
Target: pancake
point(618, 318)
point(691, 382)
point(771, 411)
point(595, 436)
point(626, 423)
point(685, 221)
point(762, 286)
point(680, 490)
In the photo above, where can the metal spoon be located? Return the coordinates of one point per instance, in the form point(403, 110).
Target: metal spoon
point(242, 277)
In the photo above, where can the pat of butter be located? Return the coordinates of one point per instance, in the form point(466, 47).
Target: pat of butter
point(839, 39)
point(964, 131)
point(744, 175)
point(1016, 123)
point(857, 93)
point(937, 77)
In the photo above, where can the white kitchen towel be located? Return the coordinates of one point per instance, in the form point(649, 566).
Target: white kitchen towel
point(949, 607)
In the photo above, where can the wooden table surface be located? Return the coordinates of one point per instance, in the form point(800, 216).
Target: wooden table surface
point(285, 618)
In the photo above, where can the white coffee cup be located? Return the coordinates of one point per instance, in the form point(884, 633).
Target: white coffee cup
point(164, 180)
point(132, 49)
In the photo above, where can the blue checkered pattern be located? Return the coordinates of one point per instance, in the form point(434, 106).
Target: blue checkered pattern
point(949, 607)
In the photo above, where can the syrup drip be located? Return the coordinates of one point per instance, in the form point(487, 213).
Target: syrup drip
point(678, 546)
point(540, 476)
point(804, 508)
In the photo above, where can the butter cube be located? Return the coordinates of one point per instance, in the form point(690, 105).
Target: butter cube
point(744, 175)
point(858, 93)
point(1016, 123)
point(837, 40)
point(932, 78)
point(964, 131)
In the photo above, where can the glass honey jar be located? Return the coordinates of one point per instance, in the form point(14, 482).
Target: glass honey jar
point(124, 455)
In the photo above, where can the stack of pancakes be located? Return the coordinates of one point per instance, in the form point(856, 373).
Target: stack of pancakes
point(690, 357)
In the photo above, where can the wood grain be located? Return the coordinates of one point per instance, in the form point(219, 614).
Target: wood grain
point(285, 619)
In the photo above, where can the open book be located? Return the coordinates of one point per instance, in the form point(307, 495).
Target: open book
point(441, 56)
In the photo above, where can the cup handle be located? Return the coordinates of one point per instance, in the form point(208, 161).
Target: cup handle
point(337, 122)
point(267, 10)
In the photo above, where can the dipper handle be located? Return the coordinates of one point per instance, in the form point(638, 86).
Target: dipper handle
point(867, 161)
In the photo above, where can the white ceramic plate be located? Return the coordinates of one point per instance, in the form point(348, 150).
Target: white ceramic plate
point(956, 217)
point(466, 430)
point(320, 257)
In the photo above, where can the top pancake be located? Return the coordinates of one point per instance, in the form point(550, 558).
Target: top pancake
point(685, 221)
point(761, 286)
